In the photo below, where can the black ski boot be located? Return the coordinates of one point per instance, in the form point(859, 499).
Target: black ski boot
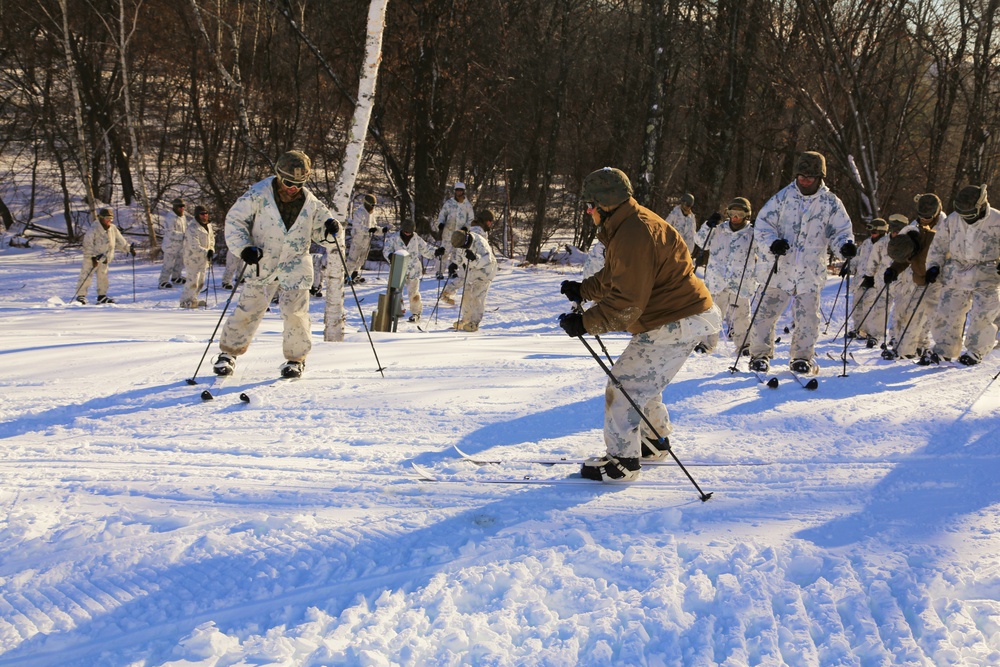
point(968, 360)
point(654, 450)
point(929, 357)
point(292, 369)
point(611, 470)
point(225, 364)
point(104, 298)
point(760, 364)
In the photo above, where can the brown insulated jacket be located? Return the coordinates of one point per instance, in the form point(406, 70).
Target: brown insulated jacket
point(648, 278)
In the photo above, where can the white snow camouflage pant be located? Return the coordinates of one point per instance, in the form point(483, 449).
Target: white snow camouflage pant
point(805, 320)
point(737, 311)
point(358, 252)
point(196, 267)
point(233, 263)
point(173, 262)
point(412, 287)
point(644, 369)
point(474, 297)
point(242, 324)
point(982, 306)
point(918, 334)
point(86, 274)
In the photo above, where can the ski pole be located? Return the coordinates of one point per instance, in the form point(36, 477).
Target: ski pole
point(885, 324)
point(465, 281)
point(704, 250)
point(753, 318)
point(336, 243)
point(857, 302)
point(578, 308)
point(133, 273)
point(894, 353)
point(739, 287)
point(869, 312)
point(826, 326)
point(236, 286)
point(662, 441)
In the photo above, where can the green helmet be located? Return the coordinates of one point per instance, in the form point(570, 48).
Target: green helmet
point(607, 187)
point(294, 167)
point(928, 205)
point(459, 238)
point(740, 204)
point(811, 163)
point(971, 202)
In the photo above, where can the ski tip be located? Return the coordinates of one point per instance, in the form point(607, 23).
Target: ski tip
point(206, 395)
point(773, 383)
point(244, 397)
point(812, 384)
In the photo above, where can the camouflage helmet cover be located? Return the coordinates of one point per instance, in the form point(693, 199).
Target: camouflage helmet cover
point(971, 200)
point(879, 225)
point(370, 199)
point(486, 215)
point(687, 199)
point(458, 238)
point(897, 221)
point(902, 248)
point(104, 213)
point(740, 204)
point(928, 205)
point(177, 201)
point(407, 227)
point(811, 163)
point(607, 187)
point(293, 166)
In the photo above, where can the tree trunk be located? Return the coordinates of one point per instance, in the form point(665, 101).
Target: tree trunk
point(333, 329)
point(83, 157)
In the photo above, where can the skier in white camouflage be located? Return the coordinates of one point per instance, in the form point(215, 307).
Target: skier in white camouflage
point(199, 251)
point(909, 251)
point(417, 249)
point(869, 314)
point(476, 271)
point(730, 270)
point(647, 287)
point(797, 226)
point(682, 219)
point(965, 257)
point(456, 214)
point(594, 261)
point(271, 227)
point(99, 246)
point(364, 226)
point(172, 244)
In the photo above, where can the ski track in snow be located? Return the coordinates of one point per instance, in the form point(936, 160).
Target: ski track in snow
point(142, 525)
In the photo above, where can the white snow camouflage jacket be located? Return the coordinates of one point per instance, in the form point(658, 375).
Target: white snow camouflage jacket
point(729, 252)
point(595, 259)
point(362, 221)
point(485, 262)
point(254, 220)
point(174, 227)
point(416, 249)
point(811, 225)
point(877, 262)
point(198, 241)
point(967, 254)
point(686, 226)
point(455, 216)
point(100, 241)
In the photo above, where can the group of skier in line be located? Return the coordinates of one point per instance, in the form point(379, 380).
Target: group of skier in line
point(917, 282)
point(277, 234)
point(920, 277)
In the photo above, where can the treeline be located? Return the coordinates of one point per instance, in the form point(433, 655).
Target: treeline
point(140, 100)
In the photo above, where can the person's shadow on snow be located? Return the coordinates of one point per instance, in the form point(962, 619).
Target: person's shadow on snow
point(955, 475)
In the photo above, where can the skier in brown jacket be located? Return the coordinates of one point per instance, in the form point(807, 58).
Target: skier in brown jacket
point(647, 287)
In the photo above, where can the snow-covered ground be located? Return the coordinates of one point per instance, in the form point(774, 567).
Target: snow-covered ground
point(854, 525)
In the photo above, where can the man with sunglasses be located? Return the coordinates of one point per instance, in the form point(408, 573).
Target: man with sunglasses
point(99, 246)
point(271, 227)
point(174, 226)
point(199, 251)
point(647, 287)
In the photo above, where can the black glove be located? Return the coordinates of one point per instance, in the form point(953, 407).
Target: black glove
point(848, 250)
point(252, 254)
point(210, 254)
point(998, 268)
point(571, 289)
point(440, 226)
point(779, 247)
point(439, 252)
point(867, 282)
point(453, 270)
point(890, 275)
point(845, 268)
point(131, 251)
point(932, 274)
point(372, 230)
point(332, 227)
point(714, 220)
point(572, 324)
point(471, 256)
point(385, 230)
